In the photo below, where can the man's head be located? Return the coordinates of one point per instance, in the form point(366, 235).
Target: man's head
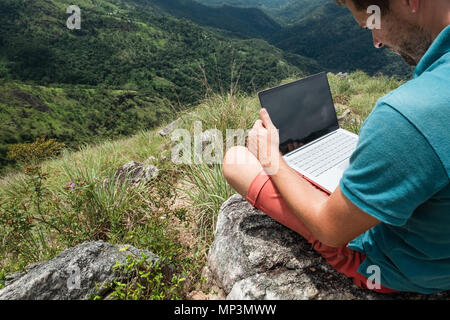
point(401, 29)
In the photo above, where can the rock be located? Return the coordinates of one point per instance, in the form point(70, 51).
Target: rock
point(169, 129)
point(344, 115)
point(73, 274)
point(152, 159)
point(342, 75)
point(135, 172)
point(255, 257)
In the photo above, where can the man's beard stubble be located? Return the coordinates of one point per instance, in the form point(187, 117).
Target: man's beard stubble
point(413, 43)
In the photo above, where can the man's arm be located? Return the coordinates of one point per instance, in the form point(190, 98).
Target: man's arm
point(333, 220)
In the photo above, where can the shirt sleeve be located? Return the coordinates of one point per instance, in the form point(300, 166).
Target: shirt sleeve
point(393, 170)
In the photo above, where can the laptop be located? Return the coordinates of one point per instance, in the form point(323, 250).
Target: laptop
point(311, 141)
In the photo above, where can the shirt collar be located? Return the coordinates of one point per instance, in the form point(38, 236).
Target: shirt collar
point(439, 47)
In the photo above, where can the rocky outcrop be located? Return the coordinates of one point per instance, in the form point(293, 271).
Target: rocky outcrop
point(76, 273)
point(254, 257)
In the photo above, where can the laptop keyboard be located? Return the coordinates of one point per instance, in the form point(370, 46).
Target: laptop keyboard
point(325, 154)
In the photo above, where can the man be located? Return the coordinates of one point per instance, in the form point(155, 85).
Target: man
point(392, 207)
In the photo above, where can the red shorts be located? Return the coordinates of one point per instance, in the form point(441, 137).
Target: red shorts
point(264, 196)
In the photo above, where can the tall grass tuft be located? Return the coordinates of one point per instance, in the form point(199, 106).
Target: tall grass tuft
point(204, 184)
point(207, 190)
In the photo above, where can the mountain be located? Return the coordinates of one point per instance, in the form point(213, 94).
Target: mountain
point(249, 22)
point(326, 33)
point(248, 3)
point(330, 36)
point(284, 11)
point(130, 66)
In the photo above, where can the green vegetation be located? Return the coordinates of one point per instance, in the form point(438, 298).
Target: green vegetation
point(73, 115)
point(248, 22)
point(129, 68)
point(285, 11)
point(145, 280)
point(330, 36)
point(65, 201)
point(324, 32)
point(35, 152)
point(128, 45)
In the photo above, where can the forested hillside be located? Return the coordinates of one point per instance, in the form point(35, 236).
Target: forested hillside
point(323, 31)
point(123, 46)
point(332, 37)
point(249, 3)
point(284, 11)
point(248, 22)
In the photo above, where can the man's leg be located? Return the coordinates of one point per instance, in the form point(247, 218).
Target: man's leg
point(240, 167)
point(245, 174)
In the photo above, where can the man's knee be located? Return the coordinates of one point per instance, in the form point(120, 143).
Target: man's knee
point(239, 168)
point(230, 162)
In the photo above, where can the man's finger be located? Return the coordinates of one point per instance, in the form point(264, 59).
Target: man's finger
point(258, 124)
point(252, 142)
point(267, 122)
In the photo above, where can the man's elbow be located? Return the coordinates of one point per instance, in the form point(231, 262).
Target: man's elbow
point(334, 242)
point(332, 238)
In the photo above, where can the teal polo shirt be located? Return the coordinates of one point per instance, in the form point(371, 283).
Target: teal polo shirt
point(400, 174)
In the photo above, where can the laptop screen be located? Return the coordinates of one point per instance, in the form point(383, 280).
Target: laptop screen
point(302, 110)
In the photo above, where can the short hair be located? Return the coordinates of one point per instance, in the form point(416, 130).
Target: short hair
point(364, 4)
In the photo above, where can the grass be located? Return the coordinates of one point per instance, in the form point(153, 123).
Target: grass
point(74, 198)
point(207, 191)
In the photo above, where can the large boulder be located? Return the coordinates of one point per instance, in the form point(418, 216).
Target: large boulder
point(255, 257)
point(76, 273)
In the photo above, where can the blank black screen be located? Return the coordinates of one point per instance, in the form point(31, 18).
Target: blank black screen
point(302, 110)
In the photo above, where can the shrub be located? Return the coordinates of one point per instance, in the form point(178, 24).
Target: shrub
point(37, 151)
point(26, 225)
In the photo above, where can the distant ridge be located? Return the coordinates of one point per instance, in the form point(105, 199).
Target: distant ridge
point(248, 22)
point(321, 30)
point(331, 37)
point(285, 12)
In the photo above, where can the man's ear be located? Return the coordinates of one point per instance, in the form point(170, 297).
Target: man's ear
point(412, 4)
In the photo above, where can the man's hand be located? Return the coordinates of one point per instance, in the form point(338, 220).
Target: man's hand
point(264, 143)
